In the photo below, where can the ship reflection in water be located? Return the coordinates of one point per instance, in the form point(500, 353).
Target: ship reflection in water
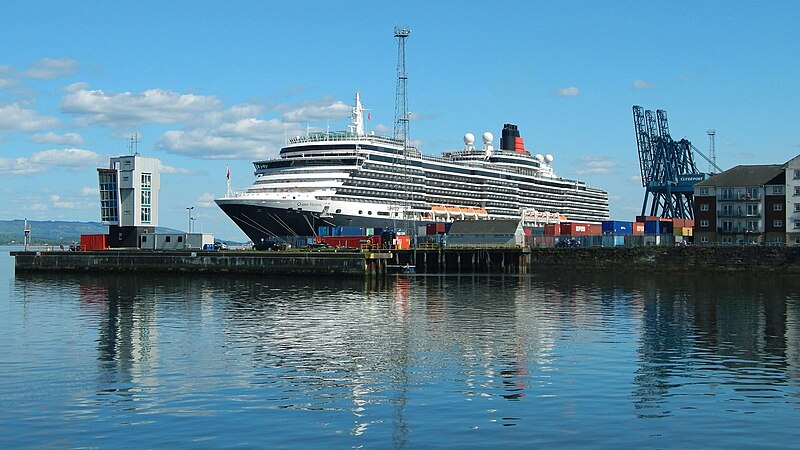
point(413, 361)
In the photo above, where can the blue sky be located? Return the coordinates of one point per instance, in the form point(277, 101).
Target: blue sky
point(209, 85)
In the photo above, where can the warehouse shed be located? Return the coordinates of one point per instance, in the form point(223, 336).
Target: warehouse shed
point(486, 233)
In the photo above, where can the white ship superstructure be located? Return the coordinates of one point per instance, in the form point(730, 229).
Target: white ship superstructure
point(354, 178)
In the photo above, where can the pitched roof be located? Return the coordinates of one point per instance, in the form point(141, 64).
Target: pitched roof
point(744, 175)
point(498, 226)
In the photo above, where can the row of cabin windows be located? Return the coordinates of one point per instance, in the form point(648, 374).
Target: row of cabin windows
point(166, 239)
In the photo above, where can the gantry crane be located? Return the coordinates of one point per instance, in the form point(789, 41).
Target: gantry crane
point(667, 166)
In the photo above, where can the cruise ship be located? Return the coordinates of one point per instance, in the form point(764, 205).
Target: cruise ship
point(359, 179)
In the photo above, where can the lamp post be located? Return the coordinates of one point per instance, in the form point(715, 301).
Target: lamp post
point(189, 210)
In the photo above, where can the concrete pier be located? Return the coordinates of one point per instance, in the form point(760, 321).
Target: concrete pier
point(465, 260)
point(276, 263)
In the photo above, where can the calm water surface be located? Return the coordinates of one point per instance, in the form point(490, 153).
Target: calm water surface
point(595, 360)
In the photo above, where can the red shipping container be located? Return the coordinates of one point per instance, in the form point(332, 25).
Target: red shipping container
point(350, 241)
point(94, 241)
point(678, 223)
point(433, 229)
point(576, 229)
point(646, 218)
point(638, 229)
point(552, 229)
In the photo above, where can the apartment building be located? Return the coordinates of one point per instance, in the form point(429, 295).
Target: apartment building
point(749, 204)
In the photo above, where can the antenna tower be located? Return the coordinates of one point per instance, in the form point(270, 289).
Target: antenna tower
point(712, 152)
point(134, 145)
point(401, 100)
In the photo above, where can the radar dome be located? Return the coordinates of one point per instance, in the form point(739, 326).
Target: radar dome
point(548, 158)
point(469, 139)
point(539, 157)
point(488, 138)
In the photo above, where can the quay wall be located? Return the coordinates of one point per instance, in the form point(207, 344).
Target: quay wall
point(277, 263)
point(756, 259)
point(669, 259)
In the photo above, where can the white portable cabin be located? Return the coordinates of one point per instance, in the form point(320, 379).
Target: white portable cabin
point(177, 241)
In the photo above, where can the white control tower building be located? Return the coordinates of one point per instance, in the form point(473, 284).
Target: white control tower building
point(129, 198)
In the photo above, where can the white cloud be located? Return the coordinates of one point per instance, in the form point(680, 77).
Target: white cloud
point(72, 159)
point(242, 138)
point(90, 191)
point(204, 144)
point(381, 128)
point(641, 84)
point(163, 168)
point(75, 87)
point(49, 68)
point(129, 109)
point(14, 117)
point(7, 82)
point(60, 203)
point(238, 132)
point(571, 91)
point(206, 200)
point(57, 139)
point(595, 165)
point(314, 111)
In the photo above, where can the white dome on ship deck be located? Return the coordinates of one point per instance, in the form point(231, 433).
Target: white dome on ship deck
point(539, 157)
point(488, 138)
point(548, 158)
point(469, 139)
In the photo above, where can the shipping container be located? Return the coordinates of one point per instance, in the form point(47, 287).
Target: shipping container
point(579, 229)
point(678, 223)
point(652, 227)
point(402, 242)
point(682, 231)
point(94, 241)
point(646, 218)
point(323, 230)
point(637, 228)
point(552, 229)
point(617, 227)
point(351, 241)
point(534, 231)
point(435, 228)
point(352, 231)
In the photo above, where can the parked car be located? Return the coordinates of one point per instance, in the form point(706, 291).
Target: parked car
point(220, 246)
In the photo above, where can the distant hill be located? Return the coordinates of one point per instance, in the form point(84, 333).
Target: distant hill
point(54, 232)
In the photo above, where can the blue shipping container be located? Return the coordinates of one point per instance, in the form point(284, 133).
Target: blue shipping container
point(352, 231)
point(324, 230)
point(617, 227)
point(652, 227)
